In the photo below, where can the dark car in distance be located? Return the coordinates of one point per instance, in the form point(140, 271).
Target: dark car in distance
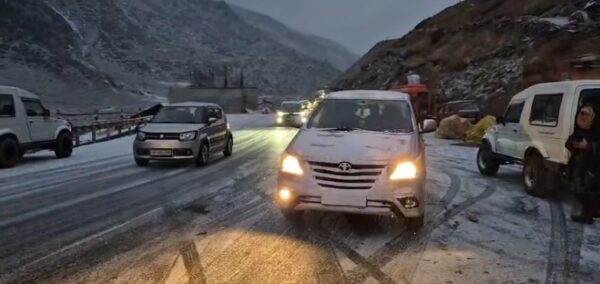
point(466, 109)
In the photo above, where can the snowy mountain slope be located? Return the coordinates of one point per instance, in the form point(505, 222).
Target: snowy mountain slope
point(309, 45)
point(118, 52)
point(485, 50)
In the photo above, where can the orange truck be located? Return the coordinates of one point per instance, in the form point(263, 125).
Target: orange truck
point(421, 97)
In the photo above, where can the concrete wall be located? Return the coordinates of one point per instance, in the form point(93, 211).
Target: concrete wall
point(231, 100)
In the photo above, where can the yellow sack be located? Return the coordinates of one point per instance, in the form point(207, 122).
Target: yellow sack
point(453, 127)
point(475, 134)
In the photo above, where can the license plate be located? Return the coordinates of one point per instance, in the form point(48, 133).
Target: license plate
point(340, 199)
point(161, 153)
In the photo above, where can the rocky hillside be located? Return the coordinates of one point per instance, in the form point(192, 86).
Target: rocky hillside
point(485, 49)
point(118, 52)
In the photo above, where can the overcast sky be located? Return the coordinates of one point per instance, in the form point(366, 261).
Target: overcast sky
point(357, 24)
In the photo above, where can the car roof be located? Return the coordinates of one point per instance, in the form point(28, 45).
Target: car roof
point(193, 104)
point(18, 92)
point(460, 102)
point(559, 86)
point(367, 95)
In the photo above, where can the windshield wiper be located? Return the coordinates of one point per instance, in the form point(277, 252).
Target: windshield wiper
point(342, 128)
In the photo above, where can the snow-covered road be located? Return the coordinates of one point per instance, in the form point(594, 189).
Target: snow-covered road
point(97, 218)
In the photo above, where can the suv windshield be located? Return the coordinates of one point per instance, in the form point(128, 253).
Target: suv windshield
point(171, 114)
point(291, 107)
point(372, 115)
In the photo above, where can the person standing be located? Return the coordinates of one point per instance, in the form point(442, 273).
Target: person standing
point(584, 168)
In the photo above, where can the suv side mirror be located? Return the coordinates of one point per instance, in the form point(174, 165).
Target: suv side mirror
point(46, 113)
point(500, 120)
point(212, 120)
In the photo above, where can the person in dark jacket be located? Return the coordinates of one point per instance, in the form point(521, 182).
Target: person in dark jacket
point(584, 168)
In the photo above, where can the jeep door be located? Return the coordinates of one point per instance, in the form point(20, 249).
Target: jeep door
point(545, 123)
point(510, 130)
point(37, 121)
point(11, 118)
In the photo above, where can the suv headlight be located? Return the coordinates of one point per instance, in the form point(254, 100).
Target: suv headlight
point(188, 136)
point(291, 165)
point(280, 113)
point(141, 136)
point(404, 171)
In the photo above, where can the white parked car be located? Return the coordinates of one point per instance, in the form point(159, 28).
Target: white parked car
point(534, 130)
point(26, 126)
point(360, 152)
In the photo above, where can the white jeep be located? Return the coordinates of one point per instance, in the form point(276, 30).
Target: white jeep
point(534, 130)
point(26, 126)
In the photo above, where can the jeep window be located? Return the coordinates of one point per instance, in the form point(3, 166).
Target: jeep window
point(545, 110)
point(372, 115)
point(513, 113)
point(177, 114)
point(33, 108)
point(291, 107)
point(7, 106)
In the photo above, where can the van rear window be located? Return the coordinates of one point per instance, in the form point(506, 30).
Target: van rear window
point(7, 106)
point(590, 97)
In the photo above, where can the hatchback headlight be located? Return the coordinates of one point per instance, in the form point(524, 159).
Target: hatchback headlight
point(291, 165)
point(188, 136)
point(404, 171)
point(141, 136)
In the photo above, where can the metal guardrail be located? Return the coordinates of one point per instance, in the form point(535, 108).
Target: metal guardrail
point(110, 128)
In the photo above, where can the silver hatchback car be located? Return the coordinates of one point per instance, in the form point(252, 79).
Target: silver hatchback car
point(184, 131)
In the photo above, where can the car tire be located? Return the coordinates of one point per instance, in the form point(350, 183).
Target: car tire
point(203, 155)
point(228, 147)
point(141, 162)
point(486, 163)
point(534, 175)
point(9, 152)
point(64, 145)
point(416, 223)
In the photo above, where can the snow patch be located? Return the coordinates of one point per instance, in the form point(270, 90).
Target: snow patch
point(71, 24)
point(557, 21)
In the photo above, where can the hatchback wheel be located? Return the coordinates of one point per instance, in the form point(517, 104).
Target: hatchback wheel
point(203, 155)
point(534, 175)
point(228, 147)
point(486, 163)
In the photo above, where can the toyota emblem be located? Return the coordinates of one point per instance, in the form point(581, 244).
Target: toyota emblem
point(162, 136)
point(345, 166)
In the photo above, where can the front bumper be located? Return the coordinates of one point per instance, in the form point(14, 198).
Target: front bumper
point(180, 150)
point(384, 198)
point(294, 120)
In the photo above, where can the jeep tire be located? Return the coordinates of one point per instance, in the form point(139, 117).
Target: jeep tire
point(64, 145)
point(486, 163)
point(9, 152)
point(534, 179)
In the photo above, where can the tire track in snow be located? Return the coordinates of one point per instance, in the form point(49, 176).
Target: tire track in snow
point(408, 240)
point(565, 247)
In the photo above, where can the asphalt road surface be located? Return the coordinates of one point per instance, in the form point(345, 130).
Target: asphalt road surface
point(101, 219)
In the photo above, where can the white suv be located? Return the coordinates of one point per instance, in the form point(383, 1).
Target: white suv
point(534, 130)
point(360, 152)
point(25, 125)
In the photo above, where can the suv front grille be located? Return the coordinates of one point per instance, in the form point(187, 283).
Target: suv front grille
point(162, 136)
point(359, 177)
